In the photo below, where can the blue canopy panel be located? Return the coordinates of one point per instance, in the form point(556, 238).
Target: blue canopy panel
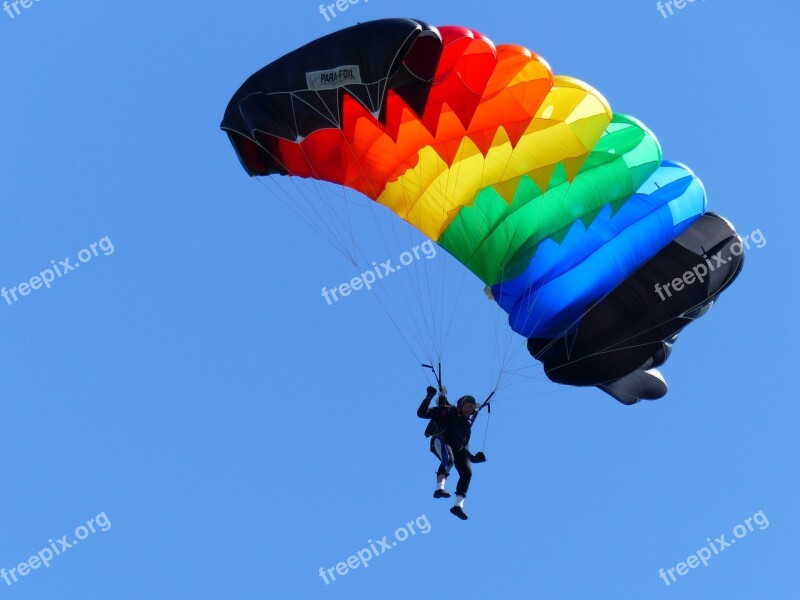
point(563, 279)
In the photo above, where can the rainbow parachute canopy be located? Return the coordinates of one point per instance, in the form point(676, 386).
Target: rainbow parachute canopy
point(565, 210)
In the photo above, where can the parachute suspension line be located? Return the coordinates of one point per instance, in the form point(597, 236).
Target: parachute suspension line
point(428, 316)
point(332, 213)
point(442, 295)
point(488, 406)
point(436, 331)
point(371, 205)
point(436, 308)
point(584, 313)
point(442, 331)
point(350, 223)
point(499, 360)
point(495, 248)
point(443, 193)
point(329, 237)
point(497, 254)
point(453, 312)
point(436, 374)
point(488, 420)
point(430, 288)
point(334, 118)
point(508, 355)
point(413, 324)
point(546, 277)
point(334, 239)
point(397, 327)
point(321, 196)
point(617, 348)
point(540, 202)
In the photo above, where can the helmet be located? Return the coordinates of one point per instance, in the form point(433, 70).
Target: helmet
point(466, 400)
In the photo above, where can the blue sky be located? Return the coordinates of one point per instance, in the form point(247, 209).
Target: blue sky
point(192, 392)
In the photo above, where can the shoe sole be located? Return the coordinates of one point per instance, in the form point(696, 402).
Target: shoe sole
point(461, 516)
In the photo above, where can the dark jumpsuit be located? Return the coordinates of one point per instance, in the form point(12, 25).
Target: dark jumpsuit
point(450, 441)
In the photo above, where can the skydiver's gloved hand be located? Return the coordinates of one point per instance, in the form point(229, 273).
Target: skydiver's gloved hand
point(478, 458)
point(431, 392)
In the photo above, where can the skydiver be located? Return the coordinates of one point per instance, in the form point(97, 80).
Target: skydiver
point(450, 428)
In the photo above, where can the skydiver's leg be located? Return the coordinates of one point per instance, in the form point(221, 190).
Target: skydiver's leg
point(445, 455)
point(464, 468)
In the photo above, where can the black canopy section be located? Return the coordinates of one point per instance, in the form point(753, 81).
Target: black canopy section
point(632, 329)
point(301, 92)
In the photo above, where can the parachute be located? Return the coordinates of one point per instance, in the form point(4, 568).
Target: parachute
point(566, 211)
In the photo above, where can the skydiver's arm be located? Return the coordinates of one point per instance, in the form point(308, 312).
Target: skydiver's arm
point(477, 458)
point(422, 411)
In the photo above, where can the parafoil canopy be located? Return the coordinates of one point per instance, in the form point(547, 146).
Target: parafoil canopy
point(527, 178)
